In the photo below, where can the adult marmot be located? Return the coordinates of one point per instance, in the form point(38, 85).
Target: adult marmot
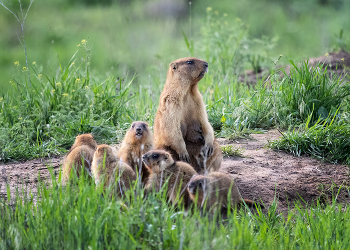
point(137, 141)
point(181, 125)
point(163, 167)
point(214, 189)
point(107, 167)
point(79, 155)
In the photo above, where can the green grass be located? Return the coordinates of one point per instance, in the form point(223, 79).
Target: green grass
point(43, 120)
point(328, 140)
point(231, 150)
point(78, 216)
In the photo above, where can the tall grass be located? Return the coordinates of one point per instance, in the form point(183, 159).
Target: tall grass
point(328, 140)
point(78, 216)
point(43, 120)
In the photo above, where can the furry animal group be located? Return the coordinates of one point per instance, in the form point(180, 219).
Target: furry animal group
point(183, 153)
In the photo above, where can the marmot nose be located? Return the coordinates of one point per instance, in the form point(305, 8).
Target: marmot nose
point(138, 130)
point(206, 64)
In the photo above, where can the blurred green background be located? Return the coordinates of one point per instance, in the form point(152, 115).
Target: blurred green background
point(139, 37)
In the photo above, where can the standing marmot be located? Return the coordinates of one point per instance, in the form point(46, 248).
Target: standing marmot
point(214, 188)
point(162, 167)
point(107, 167)
point(137, 141)
point(181, 125)
point(79, 155)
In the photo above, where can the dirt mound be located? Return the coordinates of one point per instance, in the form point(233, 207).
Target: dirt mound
point(264, 174)
point(337, 63)
point(261, 174)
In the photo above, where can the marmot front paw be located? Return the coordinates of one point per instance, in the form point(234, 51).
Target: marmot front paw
point(184, 157)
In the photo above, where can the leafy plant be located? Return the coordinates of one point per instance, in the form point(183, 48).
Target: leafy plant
point(231, 150)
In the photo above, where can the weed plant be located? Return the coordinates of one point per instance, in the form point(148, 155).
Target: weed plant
point(79, 216)
point(231, 150)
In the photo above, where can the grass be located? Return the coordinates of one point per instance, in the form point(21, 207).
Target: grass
point(78, 216)
point(43, 120)
point(127, 39)
point(328, 140)
point(231, 150)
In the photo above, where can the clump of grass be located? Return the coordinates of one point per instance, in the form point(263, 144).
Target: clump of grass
point(310, 91)
point(231, 150)
point(42, 120)
point(328, 140)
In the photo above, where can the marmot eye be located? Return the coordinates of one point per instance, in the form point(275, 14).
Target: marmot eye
point(155, 156)
point(200, 184)
point(144, 125)
point(133, 126)
point(189, 62)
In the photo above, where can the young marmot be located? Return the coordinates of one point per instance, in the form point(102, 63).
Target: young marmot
point(181, 125)
point(79, 155)
point(137, 141)
point(214, 189)
point(107, 167)
point(163, 167)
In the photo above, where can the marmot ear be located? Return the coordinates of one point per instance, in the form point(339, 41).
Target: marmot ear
point(173, 66)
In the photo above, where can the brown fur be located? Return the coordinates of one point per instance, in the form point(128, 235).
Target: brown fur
point(137, 141)
point(106, 168)
point(214, 189)
point(162, 167)
point(181, 125)
point(80, 154)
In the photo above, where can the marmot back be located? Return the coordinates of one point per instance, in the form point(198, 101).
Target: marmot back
point(138, 140)
point(162, 167)
point(80, 154)
point(214, 189)
point(181, 125)
point(107, 167)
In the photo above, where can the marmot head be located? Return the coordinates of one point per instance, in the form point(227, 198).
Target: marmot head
point(108, 151)
point(198, 185)
point(157, 160)
point(187, 70)
point(84, 139)
point(138, 132)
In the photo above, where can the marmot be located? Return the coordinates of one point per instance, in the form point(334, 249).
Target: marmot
point(79, 155)
point(163, 167)
point(107, 167)
point(214, 189)
point(137, 141)
point(181, 125)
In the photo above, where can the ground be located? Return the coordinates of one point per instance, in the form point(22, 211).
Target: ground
point(261, 174)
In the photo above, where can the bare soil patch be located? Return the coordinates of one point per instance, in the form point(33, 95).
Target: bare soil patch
point(261, 174)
